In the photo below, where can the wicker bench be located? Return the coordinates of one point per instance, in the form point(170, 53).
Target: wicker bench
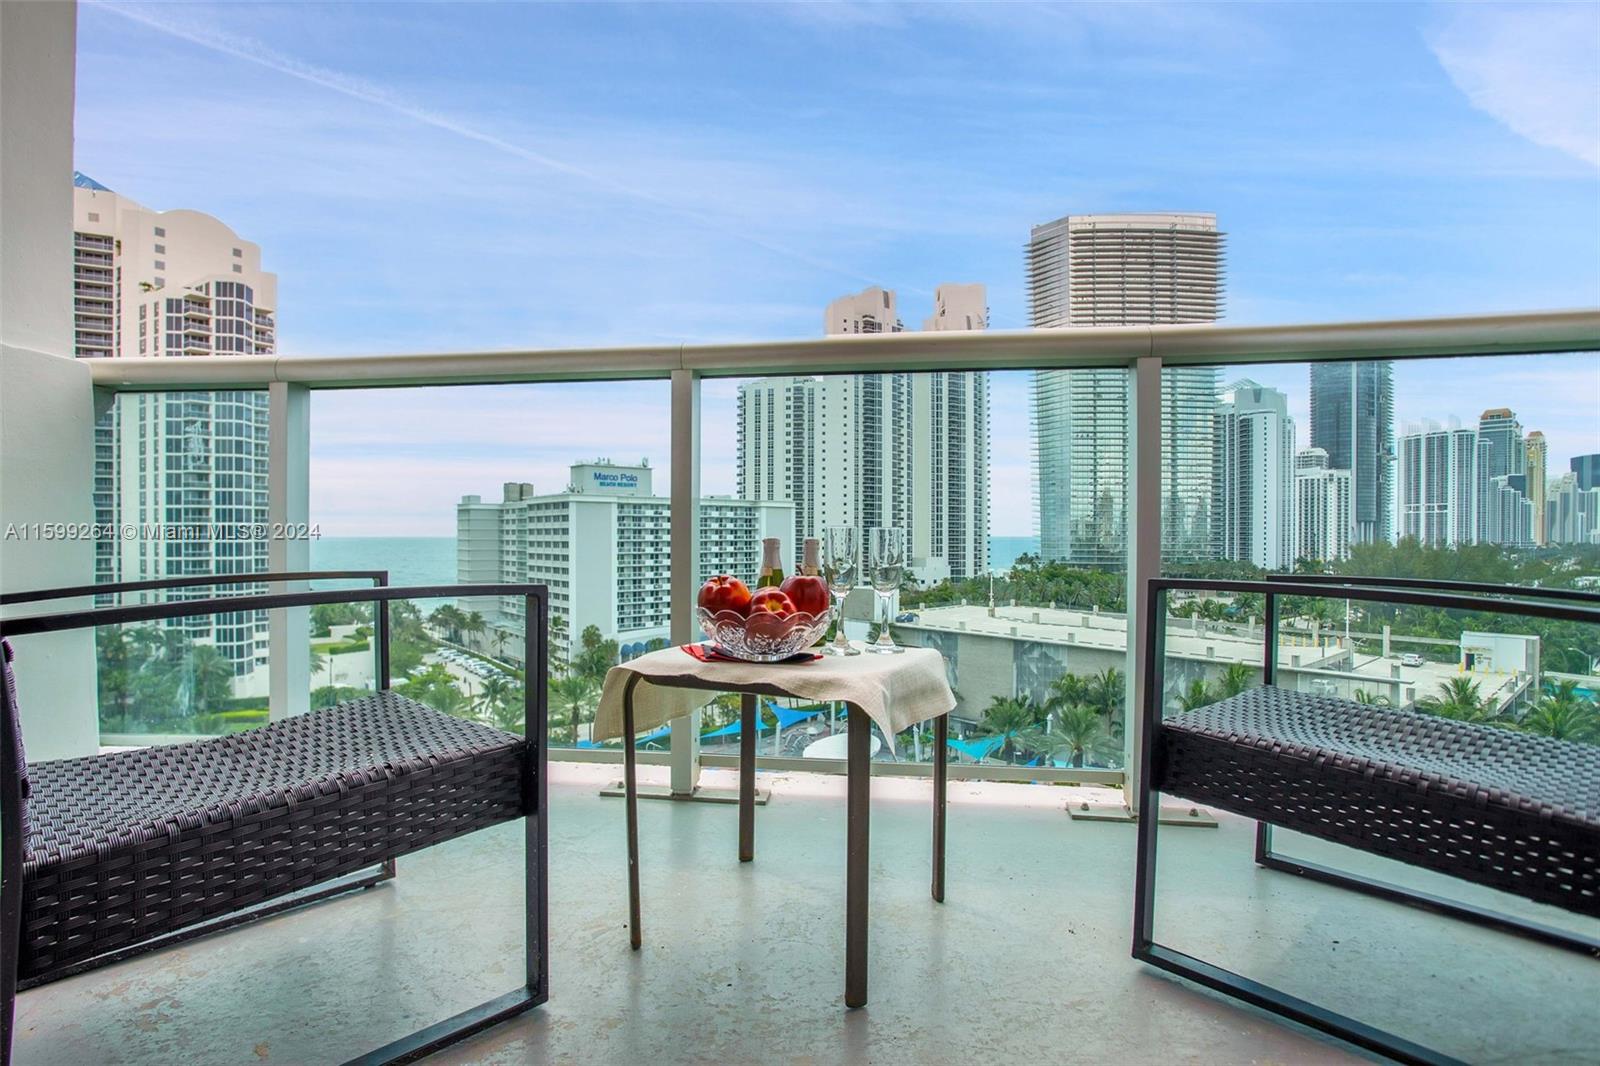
point(1496, 807)
point(109, 853)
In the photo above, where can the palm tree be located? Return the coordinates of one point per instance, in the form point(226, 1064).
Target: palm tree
point(574, 695)
point(1564, 715)
point(1372, 699)
point(558, 638)
point(1458, 698)
point(1197, 695)
point(1067, 690)
point(1235, 679)
point(211, 679)
point(495, 706)
point(1010, 718)
point(473, 624)
point(499, 639)
point(1107, 691)
point(1074, 732)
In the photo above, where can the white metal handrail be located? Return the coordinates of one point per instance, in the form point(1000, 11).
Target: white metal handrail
point(1190, 345)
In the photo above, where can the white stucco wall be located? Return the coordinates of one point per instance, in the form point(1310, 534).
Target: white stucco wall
point(46, 401)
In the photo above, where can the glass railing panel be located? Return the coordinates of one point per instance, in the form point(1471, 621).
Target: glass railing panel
point(564, 485)
point(1034, 641)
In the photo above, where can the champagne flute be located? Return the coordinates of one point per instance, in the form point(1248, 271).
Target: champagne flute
point(886, 563)
point(840, 552)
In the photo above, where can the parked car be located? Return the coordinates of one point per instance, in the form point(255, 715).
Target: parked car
point(1411, 658)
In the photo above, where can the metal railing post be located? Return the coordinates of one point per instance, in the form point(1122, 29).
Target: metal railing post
point(1144, 555)
point(288, 506)
point(685, 560)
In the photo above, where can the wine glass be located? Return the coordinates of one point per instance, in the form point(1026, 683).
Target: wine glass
point(841, 551)
point(886, 562)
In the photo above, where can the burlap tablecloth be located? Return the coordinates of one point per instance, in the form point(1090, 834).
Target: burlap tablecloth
point(896, 691)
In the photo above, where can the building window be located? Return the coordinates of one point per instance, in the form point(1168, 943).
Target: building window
point(161, 249)
point(160, 232)
point(160, 265)
point(237, 254)
point(94, 216)
point(237, 269)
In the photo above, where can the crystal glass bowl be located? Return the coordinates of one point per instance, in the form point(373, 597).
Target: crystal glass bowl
point(763, 637)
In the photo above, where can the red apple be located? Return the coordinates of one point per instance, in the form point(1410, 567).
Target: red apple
point(809, 593)
point(773, 601)
point(724, 593)
point(771, 614)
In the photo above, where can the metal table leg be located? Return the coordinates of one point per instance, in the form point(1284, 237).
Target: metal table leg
point(631, 800)
point(941, 733)
point(747, 777)
point(858, 809)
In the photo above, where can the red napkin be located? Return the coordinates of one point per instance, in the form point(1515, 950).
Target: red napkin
point(707, 653)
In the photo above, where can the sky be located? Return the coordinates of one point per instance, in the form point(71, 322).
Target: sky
point(469, 177)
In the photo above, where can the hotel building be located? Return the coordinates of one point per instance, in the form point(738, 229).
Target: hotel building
point(603, 546)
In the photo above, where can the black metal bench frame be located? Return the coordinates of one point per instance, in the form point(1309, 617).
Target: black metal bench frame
point(1464, 596)
point(535, 988)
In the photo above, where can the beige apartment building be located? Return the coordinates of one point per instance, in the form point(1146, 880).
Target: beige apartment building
point(171, 284)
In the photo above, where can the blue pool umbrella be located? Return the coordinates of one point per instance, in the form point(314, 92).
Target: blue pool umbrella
point(979, 749)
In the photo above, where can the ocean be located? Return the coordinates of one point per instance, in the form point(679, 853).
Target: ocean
point(1003, 551)
point(432, 560)
point(409, 560)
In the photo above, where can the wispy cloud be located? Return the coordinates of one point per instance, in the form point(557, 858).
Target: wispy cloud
point(183, 24)
point(1535, 68)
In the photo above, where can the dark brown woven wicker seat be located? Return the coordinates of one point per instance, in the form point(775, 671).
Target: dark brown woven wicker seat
point(1507, 809)
point(106, 857)
point(128, 846)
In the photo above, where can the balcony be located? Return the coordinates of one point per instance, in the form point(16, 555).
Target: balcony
point(1026, 961)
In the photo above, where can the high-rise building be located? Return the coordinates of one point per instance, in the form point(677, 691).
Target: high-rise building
point(171, 284)
point(1441, 485)
point(1499, 429)
point(1255, 445)
point(958, 308)
point(1323, 506)
point(1126, 269)
point(603, 546)
point(1586, 469)
point(864, 450)
point(871, 310)
point(1507, 515)
point(950, 448)
point(1572, 513)
point(1352, 419)
point(1536, 451)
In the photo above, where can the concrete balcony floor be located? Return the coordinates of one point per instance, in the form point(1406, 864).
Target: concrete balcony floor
point(1027, 961)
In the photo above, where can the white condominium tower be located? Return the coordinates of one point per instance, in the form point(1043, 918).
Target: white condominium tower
point(1255, 458)
point(1323, 502)
point(904, 449)
point(603, 547)
point(170, 284)
point(1442, 485)
point(1115, 270)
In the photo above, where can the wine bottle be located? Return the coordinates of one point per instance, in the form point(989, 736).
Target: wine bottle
point(771, 564)
point(811, 564)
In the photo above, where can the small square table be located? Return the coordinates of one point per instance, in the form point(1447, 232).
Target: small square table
point(896, 691)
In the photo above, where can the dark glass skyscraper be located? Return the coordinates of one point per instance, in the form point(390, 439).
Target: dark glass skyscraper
point(1352, 419)
point(1586, 468)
